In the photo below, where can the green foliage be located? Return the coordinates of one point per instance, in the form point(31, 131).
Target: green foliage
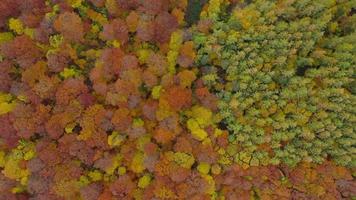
point(283, 80)
point(194, 8)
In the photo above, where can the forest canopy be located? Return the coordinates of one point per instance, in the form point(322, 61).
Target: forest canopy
point(177, 99)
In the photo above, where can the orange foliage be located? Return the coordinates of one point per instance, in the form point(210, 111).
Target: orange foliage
point(178, 97)
point(70, 25)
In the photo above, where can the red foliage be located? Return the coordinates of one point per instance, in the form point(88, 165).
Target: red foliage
point(105, 195)
point(157, 64)
point(46, 152)
point(70, 90)
point(5, 78)
point(111, 59)
point(149, 78)
point(183, 145)
point(145, 30)
point(179, 174)
point(205, 153)
point(164, 24)
point(122, 119)
point(58, 61)
point(59, 120)
point(98, 3)
point(163, 136)
point(35, 165)
point(150, 148)
point(153, 7)
point(22, 50)
point(38, 185)
point(7, 132)
point(28, 120)
point(116, 30)
point(206, 98)
point(91, 191)
point(8, 8)
point(70, 25)
point(132, 21)
point(149, 109)
point(32, 12)
point(129, 62)
point(128, 4)
point(178, 97)
point(6, 185)
point(346, 188)
point(69, 120)
point(123, 187)
point(69, 144)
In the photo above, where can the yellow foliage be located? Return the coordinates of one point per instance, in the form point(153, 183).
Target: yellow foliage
point(172, 58)
point(95, 175)
point(164, 193)
point(52, 14)
point(207, 142)
point(216, 169)
point(176, 41)
point(12, 169)
point(115, 164)
point(16, 26)
point(138, 122)
point(97, 17)
point(115, 139)
point(247, 17)
point(144, 181)
point(121, 170)
point(211, 184)
point(174, 46)
point(116, 43)
point(183, 159)
point(18, 189)
point(197, 132)
point(29, 155)
point(6, 107)
point(316, 189)
point(224, 160)
point(111, 5)
point(68, 189)
point(204, 168)
point(83, 180)
point(214, 9)
point(5, 37)
point(202, 115)
point(254, 162)
point(143, 55)
point(142, 141)
point(156, 91)
point(75, 3)
point(24, 181)
point(137, 163)
point(69, 128)
point(22, 98)
point(201, 118)
point(6, 103)
point(2, 158)
point(164, 110)
point(218, 132)
point(30, 32)
point(68, 73)
point(55, 41)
